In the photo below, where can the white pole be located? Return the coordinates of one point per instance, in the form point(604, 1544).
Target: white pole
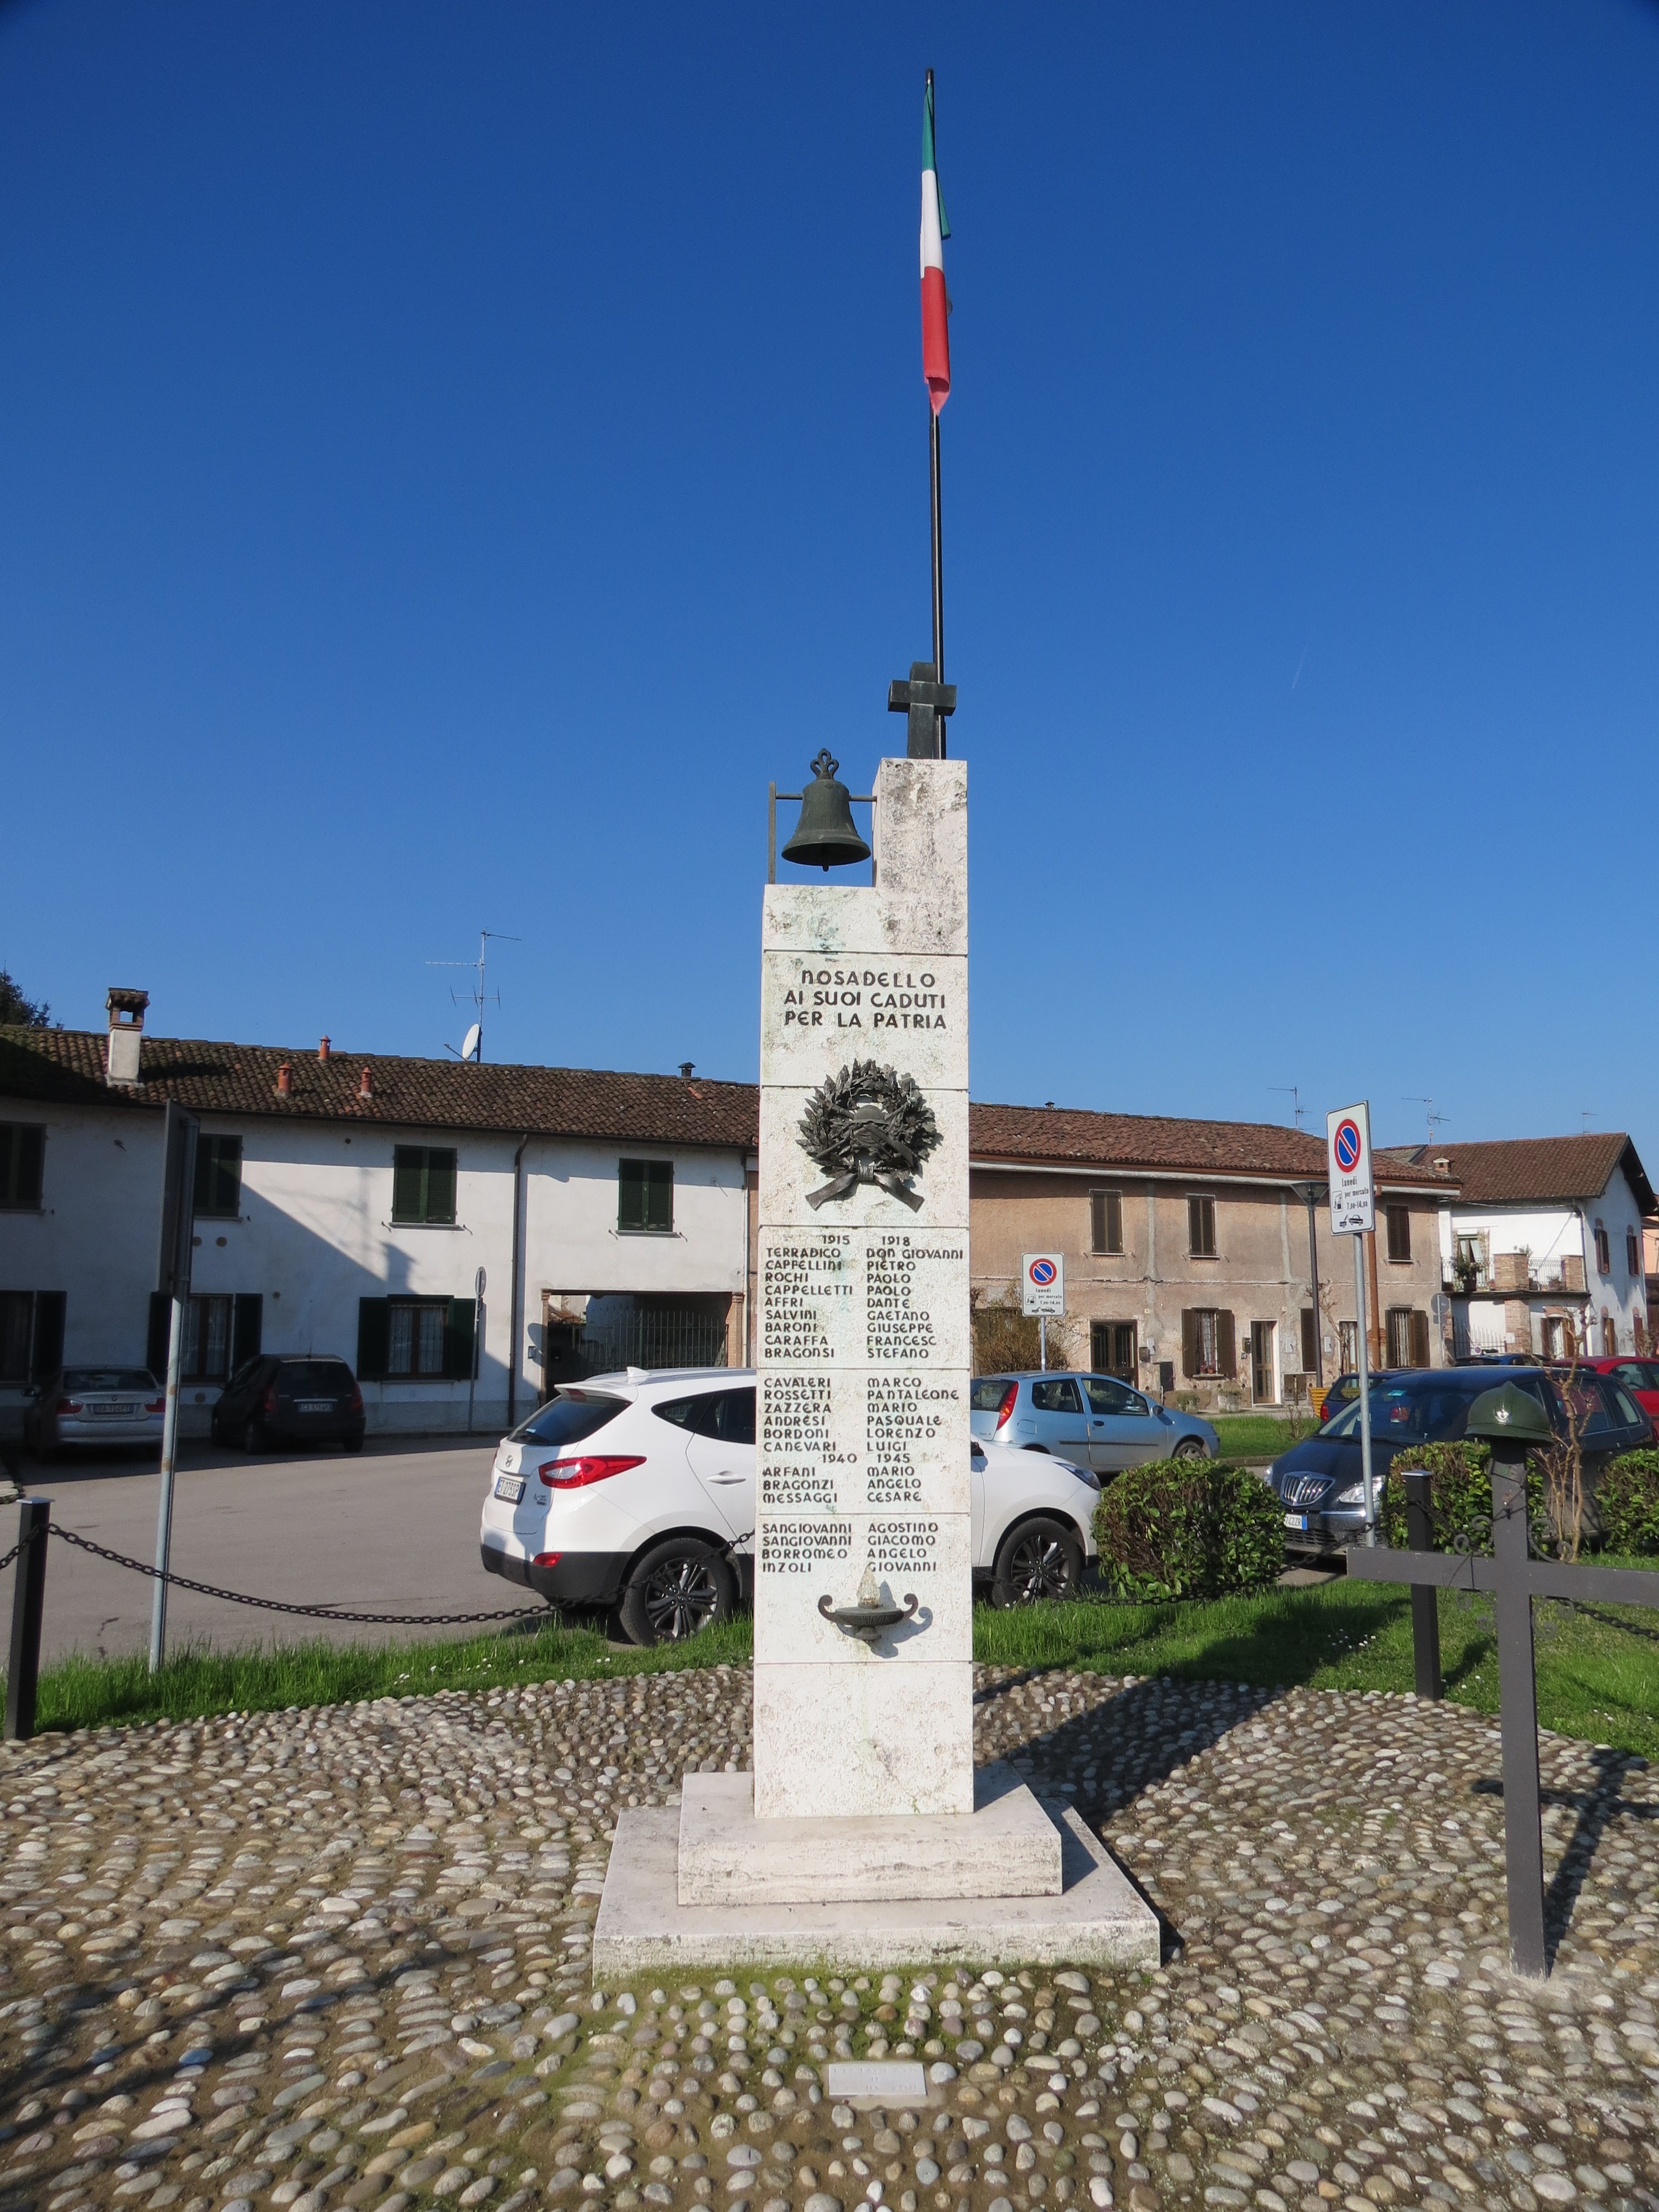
point(1365, 1390)
point(1043, 1341)
point(158, 1603)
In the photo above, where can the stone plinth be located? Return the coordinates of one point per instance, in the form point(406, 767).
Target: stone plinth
point(862, 1466)
point(1099, 1917)
point(1007, 1846)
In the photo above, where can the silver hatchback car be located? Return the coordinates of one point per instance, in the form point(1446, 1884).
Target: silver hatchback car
point(1096, 1420)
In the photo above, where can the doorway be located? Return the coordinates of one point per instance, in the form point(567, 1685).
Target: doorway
point(1261, 1363)
point(1112, 1349)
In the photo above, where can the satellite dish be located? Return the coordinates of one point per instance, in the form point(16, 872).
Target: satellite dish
point(470, 1043)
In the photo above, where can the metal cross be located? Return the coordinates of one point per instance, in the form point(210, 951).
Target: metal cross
point(1515, 1579)
point(926, 701)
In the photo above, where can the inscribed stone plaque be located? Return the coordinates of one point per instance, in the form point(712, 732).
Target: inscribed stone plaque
point(862, 1494)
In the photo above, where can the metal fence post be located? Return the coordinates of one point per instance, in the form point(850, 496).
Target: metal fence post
point(28, 1605)
point(1426, 1606)
point(1523, 1834)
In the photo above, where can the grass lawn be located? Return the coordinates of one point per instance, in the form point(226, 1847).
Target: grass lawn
point(1258, 1435)
point(1598, 1668)
point(80, 1693)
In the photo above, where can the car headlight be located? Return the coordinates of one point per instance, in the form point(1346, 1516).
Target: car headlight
point(1355, 1492)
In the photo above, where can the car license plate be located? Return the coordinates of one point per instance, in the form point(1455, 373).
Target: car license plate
point(316, 1405)
point(1296, 1521)
point(121, 1413)
point(510, 1486)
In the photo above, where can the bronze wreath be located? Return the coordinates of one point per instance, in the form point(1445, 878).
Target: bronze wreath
point(868, 1125)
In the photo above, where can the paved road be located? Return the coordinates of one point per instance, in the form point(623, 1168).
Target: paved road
point(395, 1528)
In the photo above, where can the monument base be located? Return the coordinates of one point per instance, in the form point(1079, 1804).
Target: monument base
point(1007, 1846)
point(1097, 1918)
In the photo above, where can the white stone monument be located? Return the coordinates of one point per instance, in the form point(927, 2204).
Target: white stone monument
point(865, 1836)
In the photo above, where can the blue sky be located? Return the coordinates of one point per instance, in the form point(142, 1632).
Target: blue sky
point(451, 458)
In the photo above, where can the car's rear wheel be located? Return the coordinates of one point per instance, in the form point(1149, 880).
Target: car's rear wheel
point(254, 1438)
point(1188, 1448)
point(352, 1443)
point(677, 1588)
point(1041, 1559)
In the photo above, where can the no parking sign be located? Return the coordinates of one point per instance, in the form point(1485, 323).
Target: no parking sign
point(1042, 1285)
point(1348, 1142)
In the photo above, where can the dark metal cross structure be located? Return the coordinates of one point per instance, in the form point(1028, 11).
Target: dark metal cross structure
point(1513, 1424)
point(926, 701)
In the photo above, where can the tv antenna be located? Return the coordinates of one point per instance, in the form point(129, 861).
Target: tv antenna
point(1587, 1114)
point(1294, 1095)
point(472, 1045)
point(1435, 1119)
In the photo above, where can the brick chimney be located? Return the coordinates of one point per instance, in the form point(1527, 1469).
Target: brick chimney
point(284, 1080)
point(366, 1087)
point(123, 1059)
point(322, 1049)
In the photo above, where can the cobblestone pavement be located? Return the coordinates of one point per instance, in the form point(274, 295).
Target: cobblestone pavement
point(340, 1958)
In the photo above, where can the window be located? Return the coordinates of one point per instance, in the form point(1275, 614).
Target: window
point(221, 1334)
point(31, 1334)
point(1207, 1343)
point(1309, 1341)
point(1603, 1250)
point(727, 1414)
point(218, 1176)
point(1407, 1337)
point(414, 1339)
point(1054, 1394)
point(1632, 1253)
point(1609, 1335)
point(1112, 1348)
point(1106, 1220)
point(1347, 1342)
point(1469, 1262)
point(1107, 1395)
point(1399, 1219)
point(645, 1196)
point(1560, 1338)
point(22, 1164)
point(1200, 1228)
point(423, 1184)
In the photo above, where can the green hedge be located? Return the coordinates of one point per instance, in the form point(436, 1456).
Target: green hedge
point(1189, 1529)
point(1627, 1505)
point(1460, 1493)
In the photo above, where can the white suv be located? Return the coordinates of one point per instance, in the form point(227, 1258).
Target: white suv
point(636, 1491)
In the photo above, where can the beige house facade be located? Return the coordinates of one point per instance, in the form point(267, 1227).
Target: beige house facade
point(1199, 1263)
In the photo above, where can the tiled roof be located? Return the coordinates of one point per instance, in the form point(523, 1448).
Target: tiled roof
point(66, 1066)
point(1543, 1171)
point(1123, 1142)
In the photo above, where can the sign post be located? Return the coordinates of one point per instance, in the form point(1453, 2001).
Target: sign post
point(179, 1133)
point(1042, 1293)
point(1353, 1214)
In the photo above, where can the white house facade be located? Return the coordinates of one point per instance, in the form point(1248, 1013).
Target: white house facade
point(465, 1235)
point(1542, 1247)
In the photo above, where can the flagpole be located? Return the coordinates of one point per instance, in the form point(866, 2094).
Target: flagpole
point(938, 583)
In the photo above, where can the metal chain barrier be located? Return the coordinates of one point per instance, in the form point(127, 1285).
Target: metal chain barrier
point(9, 1557)
point(276, 1605)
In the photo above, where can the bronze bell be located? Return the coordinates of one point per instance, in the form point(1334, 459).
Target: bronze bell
point(825, 836)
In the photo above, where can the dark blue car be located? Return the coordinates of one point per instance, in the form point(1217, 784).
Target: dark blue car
point(1320, 1484)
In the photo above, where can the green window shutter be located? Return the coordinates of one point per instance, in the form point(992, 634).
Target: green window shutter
point(1227, 1347)
point(247, 1325)
point(22, 1162)
point(408, 1181)
point(48, 1348)
point(1309, 1341)
point(1419, 1337)
point(630, 1193)
point(1097, 1223)
point(1188, 1342)
point(440, 1187)
point(155, 1341)
point(458, 1339)
point(660, 1195)
point(373, 1339)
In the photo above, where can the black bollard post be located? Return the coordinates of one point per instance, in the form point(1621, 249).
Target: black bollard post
point(1517, 1691)
point(1426, 1604)
point(28, 1605)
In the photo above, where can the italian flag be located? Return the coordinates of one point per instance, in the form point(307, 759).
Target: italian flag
point(935, 229)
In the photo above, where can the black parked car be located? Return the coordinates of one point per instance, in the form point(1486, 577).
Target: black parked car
point(299, 1399)
point(1321, 1483)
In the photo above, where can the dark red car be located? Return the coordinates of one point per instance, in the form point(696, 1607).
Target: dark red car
point(1639, 1375)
